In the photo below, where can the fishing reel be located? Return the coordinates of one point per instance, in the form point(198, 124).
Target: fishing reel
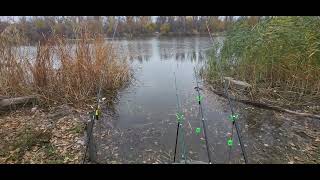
point(95, 114)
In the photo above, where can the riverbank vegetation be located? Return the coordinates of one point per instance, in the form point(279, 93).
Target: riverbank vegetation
point(59, 72)
point(36, 27)
point(278, 56)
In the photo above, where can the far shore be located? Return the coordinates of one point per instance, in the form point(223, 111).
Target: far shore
point(159, 35)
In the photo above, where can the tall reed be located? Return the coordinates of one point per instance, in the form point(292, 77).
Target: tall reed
point(279, 56)
point(61, 72)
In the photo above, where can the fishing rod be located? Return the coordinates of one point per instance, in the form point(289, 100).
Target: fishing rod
point(233, 116)
point(95, 115)
point(180, 118)
point(199, 98)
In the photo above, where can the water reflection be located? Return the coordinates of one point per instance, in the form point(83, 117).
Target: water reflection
point(140, 58)
point(178, 49)
point(193, 56)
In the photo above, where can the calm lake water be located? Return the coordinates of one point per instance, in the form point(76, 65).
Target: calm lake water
point(142, 129)
point(142, 126)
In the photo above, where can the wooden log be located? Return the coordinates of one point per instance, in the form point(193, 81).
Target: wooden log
point(13, 103)
point(265, 106)
point(238, 84)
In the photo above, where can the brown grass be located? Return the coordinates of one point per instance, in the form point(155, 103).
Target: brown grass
point(61, 72)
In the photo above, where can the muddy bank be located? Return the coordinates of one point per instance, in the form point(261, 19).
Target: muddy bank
point(42, 136)
point(267, 97)
point(279, 138)
point(275, 136)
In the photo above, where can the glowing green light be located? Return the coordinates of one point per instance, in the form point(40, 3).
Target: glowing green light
point(199, 98)
point(230, 142)
point(233, 117)
point(198, 130)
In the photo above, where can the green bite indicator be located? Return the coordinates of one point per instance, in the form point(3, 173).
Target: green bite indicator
point(199, 98)
point(198, 130)
point(179, 117)
point(233, 117)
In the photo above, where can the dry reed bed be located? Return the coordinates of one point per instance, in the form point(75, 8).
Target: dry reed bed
point(60, 72)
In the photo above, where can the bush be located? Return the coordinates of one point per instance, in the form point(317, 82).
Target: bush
point(165, 28)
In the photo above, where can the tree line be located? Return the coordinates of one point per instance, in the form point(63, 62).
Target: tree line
point(37, 27)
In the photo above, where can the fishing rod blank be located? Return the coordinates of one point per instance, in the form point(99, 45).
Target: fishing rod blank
point(175, 147)
point(179, 117)
point(202, 118)
point(89, 134)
